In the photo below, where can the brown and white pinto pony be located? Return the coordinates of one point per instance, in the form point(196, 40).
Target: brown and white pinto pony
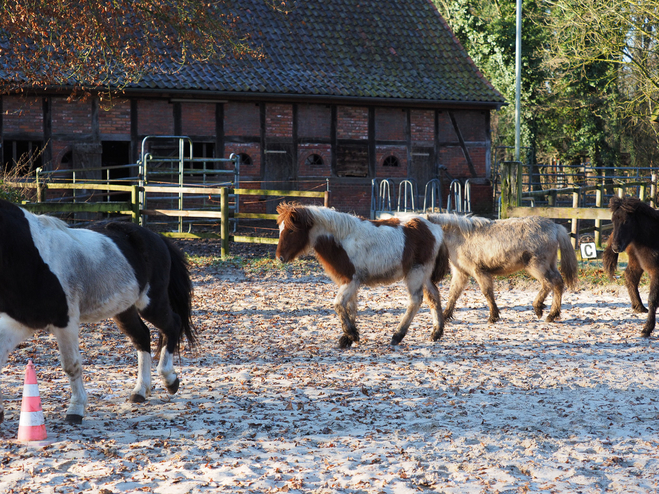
point(354, 252)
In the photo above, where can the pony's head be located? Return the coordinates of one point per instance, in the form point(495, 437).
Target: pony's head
point(625, 221)
point(294, 223)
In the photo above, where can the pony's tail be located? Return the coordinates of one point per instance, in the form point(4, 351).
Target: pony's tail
point(569, 266)
point(609, 261)
point(180, 293)
point(442, 264)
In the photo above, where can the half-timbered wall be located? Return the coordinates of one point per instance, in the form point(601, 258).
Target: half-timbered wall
point(284, 145)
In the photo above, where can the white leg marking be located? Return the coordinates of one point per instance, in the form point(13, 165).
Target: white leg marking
point(143, 385)
point(166, 367)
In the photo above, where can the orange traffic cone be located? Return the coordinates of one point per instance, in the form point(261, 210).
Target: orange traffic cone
point(32, 426)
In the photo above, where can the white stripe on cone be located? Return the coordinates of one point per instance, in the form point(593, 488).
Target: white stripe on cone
point(30, 390)
point(31, 419)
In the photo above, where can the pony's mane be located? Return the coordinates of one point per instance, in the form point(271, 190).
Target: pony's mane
point(465, 224)
point(52, 222)
point(633, 205)
point(295, 216)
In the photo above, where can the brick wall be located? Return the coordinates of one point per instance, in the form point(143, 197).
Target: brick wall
point(454, 160)
point(114, 117)
point(472, 125)
point(22, 115)
point(445, 130)
point(198, 119)
point(422, 126)
point(155, 117)
point(73, 117)
point(351, 198)
point(352, 122)
point(478, 158)
point(242, 119)
point(390, 124)
point(278, 120)
point(314, 121)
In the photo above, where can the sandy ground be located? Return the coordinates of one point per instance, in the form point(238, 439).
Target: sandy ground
point(269, 404)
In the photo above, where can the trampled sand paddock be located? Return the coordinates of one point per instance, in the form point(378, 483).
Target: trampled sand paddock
point(269, 404)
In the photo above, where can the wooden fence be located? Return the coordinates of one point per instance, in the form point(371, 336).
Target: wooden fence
point(512, 197)
point(132, 208)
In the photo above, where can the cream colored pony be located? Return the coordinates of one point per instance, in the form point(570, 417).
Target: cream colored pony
point(485, 248)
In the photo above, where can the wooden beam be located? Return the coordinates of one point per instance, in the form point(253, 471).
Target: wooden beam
point(561, 213)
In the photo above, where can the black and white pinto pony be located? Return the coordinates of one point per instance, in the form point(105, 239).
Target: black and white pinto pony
point(54, 277)
point(484, 248)
point(636, 232)
point(354, 252)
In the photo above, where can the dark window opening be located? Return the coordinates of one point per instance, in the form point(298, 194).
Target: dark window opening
point(390, 161)
point(202, 150)
point(314, 160)
point(245, 159)
point(66, 163)
point(22, 157)
point(115, 156)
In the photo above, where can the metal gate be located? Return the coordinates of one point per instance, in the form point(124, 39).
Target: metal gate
point(167, 163)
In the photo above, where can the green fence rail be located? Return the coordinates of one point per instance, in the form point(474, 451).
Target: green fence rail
point(131, 208)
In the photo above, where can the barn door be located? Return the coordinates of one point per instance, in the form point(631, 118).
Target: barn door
point(279, 172)
point(422, 166)
point(87, 160)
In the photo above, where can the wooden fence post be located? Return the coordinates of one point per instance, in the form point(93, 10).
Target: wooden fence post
point(653, 191)
point(599, 194)
point(575, 222)
point(511, 186)
point(135, 204)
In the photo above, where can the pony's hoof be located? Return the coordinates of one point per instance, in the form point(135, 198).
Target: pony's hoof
point(646, 333)
point(640, 309)
point(538, 312)
point(552, 317)
point(173, 388)
point(73, 419)
point(345, 342)
point(448, 316)
point(436, 336)
point(2, 416)
point(396, 339)
point(135, 398)
point(493, 319)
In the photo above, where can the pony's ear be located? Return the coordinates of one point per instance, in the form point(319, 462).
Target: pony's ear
point(630, 204)
point(615, 203)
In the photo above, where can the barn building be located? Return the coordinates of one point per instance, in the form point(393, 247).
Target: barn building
point(347, 91)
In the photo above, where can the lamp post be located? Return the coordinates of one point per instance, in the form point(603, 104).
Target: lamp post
point(518, 78)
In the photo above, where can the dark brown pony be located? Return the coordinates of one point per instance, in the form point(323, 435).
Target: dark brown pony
point(635, 231)
point(356, 252)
